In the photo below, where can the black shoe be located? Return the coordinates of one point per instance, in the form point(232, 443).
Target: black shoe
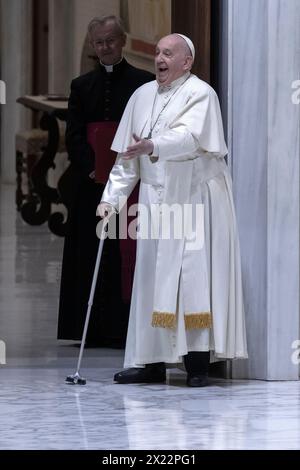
point(135, 375)
point(197, 380)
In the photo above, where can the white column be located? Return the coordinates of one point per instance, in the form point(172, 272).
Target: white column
point(16, 72)
point(283, 186)
point(264, 61)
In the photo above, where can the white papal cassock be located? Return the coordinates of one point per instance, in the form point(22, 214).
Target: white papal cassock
point(183, 300)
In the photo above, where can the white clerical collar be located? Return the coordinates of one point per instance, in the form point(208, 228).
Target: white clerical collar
point(176, 83)
point(110, 68)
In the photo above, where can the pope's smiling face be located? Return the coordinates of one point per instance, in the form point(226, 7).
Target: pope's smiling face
point(172, 59)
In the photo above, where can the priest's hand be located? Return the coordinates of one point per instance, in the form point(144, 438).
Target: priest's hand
point(141, 147)
point(105, 209)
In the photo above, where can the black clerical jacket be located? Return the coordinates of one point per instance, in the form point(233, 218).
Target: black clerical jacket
point(98, 96)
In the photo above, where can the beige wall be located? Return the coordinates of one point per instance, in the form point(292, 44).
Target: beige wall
point(158, 24)
point(59, 47)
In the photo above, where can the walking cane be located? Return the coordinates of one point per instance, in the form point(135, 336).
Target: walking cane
point(76, 378)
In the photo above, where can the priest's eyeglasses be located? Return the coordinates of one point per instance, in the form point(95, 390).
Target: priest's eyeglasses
point(109, 41)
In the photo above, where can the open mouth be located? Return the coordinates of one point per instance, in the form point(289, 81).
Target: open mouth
point(162, 69)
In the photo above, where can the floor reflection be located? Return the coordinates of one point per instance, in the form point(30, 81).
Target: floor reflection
point(39, 411)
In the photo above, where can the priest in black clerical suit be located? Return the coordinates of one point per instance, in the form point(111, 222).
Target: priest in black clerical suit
point(98, 96)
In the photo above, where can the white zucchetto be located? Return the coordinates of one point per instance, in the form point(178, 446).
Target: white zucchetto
point(189, 43)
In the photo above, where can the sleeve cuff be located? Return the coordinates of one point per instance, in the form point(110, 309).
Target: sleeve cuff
point(155, 154)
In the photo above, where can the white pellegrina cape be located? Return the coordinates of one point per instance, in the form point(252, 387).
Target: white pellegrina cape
point(185, 297)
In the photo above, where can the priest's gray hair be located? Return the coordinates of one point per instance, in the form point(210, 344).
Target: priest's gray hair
point(102, 20)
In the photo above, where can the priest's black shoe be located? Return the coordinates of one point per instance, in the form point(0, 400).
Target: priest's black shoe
point(197, 380)
point(152, 373)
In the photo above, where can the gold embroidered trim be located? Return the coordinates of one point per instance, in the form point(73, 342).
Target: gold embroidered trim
point(163, 319)
point(197, 320)
point(192, 320)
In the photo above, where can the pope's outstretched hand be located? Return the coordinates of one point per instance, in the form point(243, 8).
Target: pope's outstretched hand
point(141, 147)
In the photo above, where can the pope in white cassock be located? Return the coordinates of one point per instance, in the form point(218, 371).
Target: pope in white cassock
point(187, 303)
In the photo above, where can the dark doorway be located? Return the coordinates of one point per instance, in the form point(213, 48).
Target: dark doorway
point(40, 47)
point(193, 18)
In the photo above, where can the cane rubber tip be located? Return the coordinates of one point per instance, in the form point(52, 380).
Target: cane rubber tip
point(75, 380)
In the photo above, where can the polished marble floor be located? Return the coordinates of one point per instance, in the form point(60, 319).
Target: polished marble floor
point(39, 411)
